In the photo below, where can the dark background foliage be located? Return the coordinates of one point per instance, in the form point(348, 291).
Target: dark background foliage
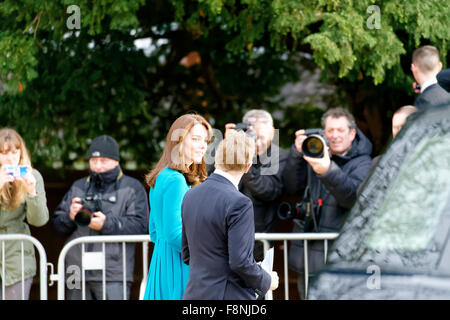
point(60, 88)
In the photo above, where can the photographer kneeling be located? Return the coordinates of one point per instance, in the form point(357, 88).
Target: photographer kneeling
point(328, 182)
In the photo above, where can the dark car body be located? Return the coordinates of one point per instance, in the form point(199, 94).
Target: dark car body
point(395, 243)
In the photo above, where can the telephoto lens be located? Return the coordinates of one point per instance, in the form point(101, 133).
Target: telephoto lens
point(313, 146)
point(83, 217)
point(90, 205)
point(285, 211)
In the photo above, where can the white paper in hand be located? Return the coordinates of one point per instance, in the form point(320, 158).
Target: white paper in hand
point(267, 263)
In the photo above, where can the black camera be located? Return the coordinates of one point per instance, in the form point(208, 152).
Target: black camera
point(90, 204)
point(288, 211)
point(313, 146)
point(247, 128)
point(302, 213)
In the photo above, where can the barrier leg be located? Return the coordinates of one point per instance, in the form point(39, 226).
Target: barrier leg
point(306, 272)
point(286, 276)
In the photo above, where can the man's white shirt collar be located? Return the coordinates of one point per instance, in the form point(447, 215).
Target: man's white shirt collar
point(228, 177)
point(427, 83)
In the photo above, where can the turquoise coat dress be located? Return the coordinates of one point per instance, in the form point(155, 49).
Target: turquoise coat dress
point(168, 275)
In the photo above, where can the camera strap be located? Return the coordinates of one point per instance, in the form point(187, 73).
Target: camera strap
point(312, 206)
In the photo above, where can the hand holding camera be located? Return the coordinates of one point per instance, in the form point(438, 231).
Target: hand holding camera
point(228, 128)
point(10, 173)
point(5, 177)
point(74, 208)
point(314, 146)
point(87, 212)
point(320, 165)
point(30, 182)
point(247, 128)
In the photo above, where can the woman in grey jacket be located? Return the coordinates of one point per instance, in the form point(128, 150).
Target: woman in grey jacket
point(22, 197)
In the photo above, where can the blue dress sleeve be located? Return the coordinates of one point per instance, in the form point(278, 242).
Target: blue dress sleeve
point(175, 190)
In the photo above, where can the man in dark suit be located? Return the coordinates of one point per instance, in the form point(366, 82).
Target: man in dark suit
point(262, 183)
point(425, 66)
point(218, 231)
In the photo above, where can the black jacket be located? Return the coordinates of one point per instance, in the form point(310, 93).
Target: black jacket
point(217, 243)
point(432, 95)
point(263, 185)
point(124, 202)
point(336, 190)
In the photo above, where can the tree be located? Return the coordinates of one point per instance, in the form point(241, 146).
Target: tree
point(65, 84)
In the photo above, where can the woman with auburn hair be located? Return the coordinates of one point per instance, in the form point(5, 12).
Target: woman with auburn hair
point(22, 197)
point(181, 166)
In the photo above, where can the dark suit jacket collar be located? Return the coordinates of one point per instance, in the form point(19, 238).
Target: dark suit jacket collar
point(431, 86)
point(221, 179)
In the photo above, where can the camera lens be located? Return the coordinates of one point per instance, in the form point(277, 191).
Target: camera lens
point(313, 146)
point(284, 211)
point(83, 217)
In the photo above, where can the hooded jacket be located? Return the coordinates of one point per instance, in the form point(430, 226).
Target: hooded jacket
point(335, 190)
point(337, 187)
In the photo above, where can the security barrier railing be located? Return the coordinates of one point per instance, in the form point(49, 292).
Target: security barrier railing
point(264, 237)
point(42, 262)
point(285, 237)
point(96, 260)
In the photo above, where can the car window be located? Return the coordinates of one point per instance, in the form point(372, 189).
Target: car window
point(409, 216)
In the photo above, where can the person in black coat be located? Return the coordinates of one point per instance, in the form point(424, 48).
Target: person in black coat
point(334, 180)
point(425, 66)
point(263, 183)
point(119, 206)
point(218, 231)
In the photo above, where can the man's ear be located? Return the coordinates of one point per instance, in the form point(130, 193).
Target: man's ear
point(248, 168)
point(353, 133)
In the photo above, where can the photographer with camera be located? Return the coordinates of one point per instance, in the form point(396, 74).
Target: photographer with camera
point(262, 183)
point(107, 202)
point(327, 172)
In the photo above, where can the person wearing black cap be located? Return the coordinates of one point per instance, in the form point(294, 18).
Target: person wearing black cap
point(106, 202)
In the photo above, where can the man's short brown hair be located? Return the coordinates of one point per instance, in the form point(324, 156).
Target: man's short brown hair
point(235, 152)
point(426, 58)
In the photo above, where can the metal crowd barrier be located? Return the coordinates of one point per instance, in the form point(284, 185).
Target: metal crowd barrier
point(96, 261)
point(285, 237)
point(42, 262)
point(264, 237)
